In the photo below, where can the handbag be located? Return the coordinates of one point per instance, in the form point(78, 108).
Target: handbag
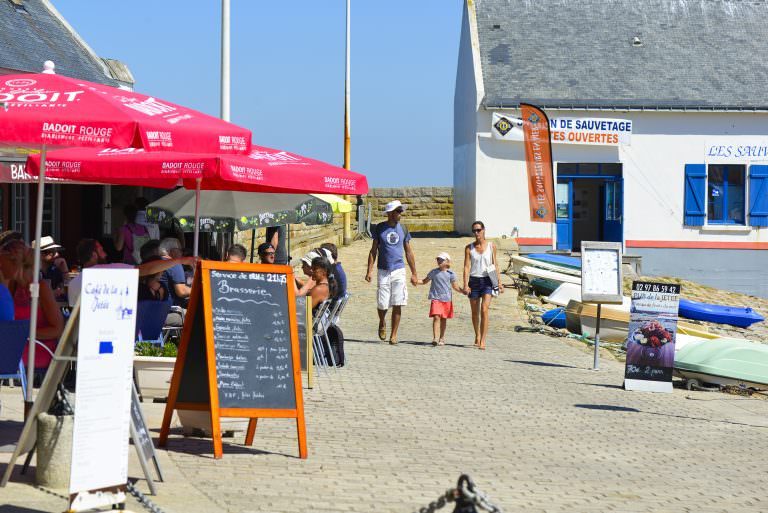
point(492, 275)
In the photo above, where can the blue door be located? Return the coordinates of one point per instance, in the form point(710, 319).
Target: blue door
point(613, 230)
point(564, 211)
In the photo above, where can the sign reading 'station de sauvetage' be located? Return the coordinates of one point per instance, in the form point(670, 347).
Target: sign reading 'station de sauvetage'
point(239, 354)
point(651, 339)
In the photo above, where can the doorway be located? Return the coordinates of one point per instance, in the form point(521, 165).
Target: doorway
point(590, 204)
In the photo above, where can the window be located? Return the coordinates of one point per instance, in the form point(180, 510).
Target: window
point(563, 199)
point(613, 201)
point(726, 194)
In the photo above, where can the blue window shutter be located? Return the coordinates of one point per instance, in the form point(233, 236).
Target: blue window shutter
point(695, 193)
point(758, 195)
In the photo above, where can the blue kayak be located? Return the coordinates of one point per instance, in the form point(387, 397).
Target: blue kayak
point(554, 318)
point(551, 258)
point(735, 316)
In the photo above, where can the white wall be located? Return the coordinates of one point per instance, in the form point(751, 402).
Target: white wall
point(653, 170)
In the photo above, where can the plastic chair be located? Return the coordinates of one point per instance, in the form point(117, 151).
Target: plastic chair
point(13, 336)
point(319, 315)
point(341, 303)
point(150, 318)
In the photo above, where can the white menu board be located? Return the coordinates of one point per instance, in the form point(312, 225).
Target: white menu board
point(601, 272)
point(104, 379)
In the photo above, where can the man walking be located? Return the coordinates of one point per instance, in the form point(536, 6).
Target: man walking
point(391, 242)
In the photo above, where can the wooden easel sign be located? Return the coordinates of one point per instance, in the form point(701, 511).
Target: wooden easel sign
point(239, 351)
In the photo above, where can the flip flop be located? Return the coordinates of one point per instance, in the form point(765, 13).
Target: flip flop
point(393, 341)
point(441, 342)
point(382, 332)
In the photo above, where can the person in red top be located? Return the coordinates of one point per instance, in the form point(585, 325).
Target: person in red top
point(16, 265)
point(130, 236)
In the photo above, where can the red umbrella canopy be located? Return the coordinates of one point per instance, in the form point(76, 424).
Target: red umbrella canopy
point(263, 170)
point(55, 110)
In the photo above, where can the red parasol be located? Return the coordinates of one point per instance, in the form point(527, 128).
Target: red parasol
point(58, 111)
point(263, 170)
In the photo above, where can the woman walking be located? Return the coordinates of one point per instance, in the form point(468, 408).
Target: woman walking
point(481, 280)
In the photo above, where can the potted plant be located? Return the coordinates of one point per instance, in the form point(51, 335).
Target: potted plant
point(153, 365)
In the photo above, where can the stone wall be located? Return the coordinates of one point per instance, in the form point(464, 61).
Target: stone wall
point(428, 209)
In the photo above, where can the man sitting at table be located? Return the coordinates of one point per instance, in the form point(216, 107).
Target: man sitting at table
point(174, 280)
point(236, 254)
point(90, 253)
point(266, 253)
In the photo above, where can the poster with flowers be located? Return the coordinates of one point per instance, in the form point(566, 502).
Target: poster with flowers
point(651, 339)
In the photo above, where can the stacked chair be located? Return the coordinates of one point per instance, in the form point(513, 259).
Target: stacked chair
point(325, 318)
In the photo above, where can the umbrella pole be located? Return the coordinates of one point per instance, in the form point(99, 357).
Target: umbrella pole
point(253, 242)
point(197, 218)
point(34, 287)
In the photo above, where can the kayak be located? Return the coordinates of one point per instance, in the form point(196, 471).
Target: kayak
point(736, 316)
point(725, 361)
point(551, 258)
point(554, 318)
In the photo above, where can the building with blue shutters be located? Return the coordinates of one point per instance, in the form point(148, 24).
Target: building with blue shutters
point(658, 112)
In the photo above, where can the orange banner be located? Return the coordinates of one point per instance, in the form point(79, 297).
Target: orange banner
point(538, 160)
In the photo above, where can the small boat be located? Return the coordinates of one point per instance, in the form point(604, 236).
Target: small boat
point(735, 316)
point(535, 272)
point(568, 291)
point(725, 361)
point(554, 318)
point(518, 262)
point(553, 258)
point(543, 286)
point(614, 322)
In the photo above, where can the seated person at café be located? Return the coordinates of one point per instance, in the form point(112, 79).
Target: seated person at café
point(150, 287)
point(53, 267)
point(90, 253)
point(16, 265)
point(236, 254)
point(324, 282)
point(266, 253)
point(174, 280)
point(341, 276)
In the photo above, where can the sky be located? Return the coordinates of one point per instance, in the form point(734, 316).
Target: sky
point(287, 73)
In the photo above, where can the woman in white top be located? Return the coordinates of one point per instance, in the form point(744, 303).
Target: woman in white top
point(479, 262)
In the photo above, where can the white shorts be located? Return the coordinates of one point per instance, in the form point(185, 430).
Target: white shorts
point(393, 290)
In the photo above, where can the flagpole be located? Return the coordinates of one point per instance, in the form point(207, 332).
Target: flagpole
point(225, 60)
point(347, 215)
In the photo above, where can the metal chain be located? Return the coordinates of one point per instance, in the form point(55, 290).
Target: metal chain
point(466, 490)
point(449, 496)
point(142, 499)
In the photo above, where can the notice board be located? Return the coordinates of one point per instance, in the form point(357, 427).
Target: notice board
point(239, 350)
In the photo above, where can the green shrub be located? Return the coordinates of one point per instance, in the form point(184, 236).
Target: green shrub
point(149, 349)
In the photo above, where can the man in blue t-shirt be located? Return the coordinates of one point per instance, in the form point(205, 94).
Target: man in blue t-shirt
point(175, 281)
point(391, 244)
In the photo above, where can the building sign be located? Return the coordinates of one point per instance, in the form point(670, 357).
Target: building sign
point(592, 131)
point(730, 149)
point(595, 131)
point(651, 338)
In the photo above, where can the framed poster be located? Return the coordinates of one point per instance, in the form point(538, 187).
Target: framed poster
point(601, 272)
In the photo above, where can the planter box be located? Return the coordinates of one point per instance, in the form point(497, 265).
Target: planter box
point(153, 375)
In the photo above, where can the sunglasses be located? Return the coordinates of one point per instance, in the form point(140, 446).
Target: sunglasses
point(477, 230)
point(267, 253)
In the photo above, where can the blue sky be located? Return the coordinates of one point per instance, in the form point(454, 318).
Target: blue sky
point(288, 73)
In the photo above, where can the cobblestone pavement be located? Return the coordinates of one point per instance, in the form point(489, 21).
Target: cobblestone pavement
point(527, 419)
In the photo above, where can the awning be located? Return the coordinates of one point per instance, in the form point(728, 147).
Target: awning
point(339, 204)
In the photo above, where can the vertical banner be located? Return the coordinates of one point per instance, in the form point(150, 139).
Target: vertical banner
point(104, 385)
point(538, 160)
point(651, 339)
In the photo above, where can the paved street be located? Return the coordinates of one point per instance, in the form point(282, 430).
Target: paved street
point(527, 419)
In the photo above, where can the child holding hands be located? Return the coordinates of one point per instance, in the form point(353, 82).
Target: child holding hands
point(441, 306)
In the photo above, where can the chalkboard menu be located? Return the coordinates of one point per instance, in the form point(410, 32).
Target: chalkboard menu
point(239, 350)
point(252, 339)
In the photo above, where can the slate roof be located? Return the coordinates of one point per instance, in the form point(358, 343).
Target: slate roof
point(30, 34)
point(692, 54)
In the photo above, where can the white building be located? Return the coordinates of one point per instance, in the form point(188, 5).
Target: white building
point(684, 185)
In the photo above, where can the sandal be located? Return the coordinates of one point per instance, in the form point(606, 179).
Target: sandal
point(392, 341)
point(383, 332)
point(434, 342)
point(441, 342)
